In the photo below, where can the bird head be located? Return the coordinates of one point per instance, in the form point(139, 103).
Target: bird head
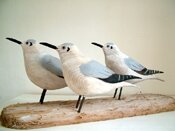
point(26, 44)
point(64, 50)
point(108, 48)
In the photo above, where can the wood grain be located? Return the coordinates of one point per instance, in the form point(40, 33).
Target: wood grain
point(54, 113)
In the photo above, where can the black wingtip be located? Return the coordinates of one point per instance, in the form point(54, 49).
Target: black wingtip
point(94, 43)
point(14, 40)
point(48, 45)
point(146, 71)
point(115, 78)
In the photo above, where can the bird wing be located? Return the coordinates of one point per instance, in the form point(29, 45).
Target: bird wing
point(52, 64)
point(95, 69)
point(137, 67)
point(134, 65)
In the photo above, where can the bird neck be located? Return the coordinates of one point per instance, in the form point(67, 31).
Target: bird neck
point(32, 57)
point(116, 53)
point(30, 49)
point(31, 53)
point(72, 56)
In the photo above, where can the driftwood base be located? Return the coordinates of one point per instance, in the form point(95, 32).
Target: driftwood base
point(35, 115)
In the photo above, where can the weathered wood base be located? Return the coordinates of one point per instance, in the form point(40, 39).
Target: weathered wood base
point(35, 115)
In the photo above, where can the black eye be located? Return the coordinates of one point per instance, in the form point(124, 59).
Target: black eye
point(68, 49)
point(27, 43)
point(111, 47)
point(63, 47)
point(107, 46)
point(30, 43)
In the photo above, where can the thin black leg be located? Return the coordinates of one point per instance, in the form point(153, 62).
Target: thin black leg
point(81, 104)
point(42, 96)
point(115, 92)
point(119, 97)
point(78, 101)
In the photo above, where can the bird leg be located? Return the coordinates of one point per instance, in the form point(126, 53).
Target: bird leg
point(120, 93)
point(81, 104)
point(42, 96)
point(115, 92)
point(78, 101)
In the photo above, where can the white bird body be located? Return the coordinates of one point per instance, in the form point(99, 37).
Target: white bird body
point(120, 63)
point(81, 84)
point(77, 81)
point(35, 71)
point(117, 64)
point(113, 61)
point(42, 69)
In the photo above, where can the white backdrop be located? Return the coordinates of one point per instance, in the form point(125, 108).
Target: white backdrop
point(144, 29)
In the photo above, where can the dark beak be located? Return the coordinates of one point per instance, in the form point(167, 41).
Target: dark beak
point(101, 46)
point(14, 40)
point(48, 45)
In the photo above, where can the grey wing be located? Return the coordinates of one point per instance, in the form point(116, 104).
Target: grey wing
point(52, 64)
point(134, 65)
point(95, 69)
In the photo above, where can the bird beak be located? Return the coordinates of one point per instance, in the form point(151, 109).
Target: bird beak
point(101, 46)
point(14, 40)
point(48, 45)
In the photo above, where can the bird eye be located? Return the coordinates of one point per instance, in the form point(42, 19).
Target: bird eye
point(30, 43)
point(63, 47)
point(107, 46)
point(68, 49)
point(111, 47)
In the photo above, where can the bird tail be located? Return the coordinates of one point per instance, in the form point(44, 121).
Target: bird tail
point(146, 71)
point(156, 78)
